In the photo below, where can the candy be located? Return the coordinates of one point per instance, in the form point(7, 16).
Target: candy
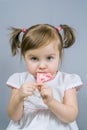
point(43, 77)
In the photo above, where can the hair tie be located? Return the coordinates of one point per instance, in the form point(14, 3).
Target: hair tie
point(59, 28)
point(24, 30)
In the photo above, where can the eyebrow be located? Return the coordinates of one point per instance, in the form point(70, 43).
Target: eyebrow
point(30, 55)
point(52, 54)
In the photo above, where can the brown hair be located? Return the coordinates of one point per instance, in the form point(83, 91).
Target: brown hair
point(41, 35)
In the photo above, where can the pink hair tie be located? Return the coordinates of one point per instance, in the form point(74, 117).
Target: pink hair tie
point(59, 28)
point(24, 30)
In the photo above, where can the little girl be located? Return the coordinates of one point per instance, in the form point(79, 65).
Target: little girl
point(43, 98)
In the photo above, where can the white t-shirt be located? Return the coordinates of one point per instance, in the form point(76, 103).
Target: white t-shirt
point(37, 116)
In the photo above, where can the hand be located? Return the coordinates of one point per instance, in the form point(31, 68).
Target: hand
point(45, 92)
point(27, 89)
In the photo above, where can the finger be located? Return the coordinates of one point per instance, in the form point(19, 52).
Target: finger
point(30, 89)
point(38, 86)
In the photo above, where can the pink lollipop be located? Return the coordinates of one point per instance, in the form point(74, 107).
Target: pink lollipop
point(43, 77)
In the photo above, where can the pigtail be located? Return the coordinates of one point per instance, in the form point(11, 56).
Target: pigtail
point(14, 40)
point(68, 36)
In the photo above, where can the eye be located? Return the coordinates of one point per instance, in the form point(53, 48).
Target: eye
point(49, 58)
point(34, 59)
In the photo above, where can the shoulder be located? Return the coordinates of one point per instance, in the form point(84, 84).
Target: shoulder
point(70, 80)
point(16, 79)
point(18, 75)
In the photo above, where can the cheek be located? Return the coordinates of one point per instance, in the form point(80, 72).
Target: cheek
point(54, 67)
point(30, 67)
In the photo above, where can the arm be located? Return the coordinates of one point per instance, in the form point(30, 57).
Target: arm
point(15, 107)
point(68, 110)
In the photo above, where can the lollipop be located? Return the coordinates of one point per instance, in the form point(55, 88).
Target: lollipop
point(43, 77)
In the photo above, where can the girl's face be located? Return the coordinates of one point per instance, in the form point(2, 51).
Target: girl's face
point(43, 59)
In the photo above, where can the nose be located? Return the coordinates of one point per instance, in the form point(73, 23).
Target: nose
point(42, 65)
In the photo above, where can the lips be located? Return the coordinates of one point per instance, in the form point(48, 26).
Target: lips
point(43, 77)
